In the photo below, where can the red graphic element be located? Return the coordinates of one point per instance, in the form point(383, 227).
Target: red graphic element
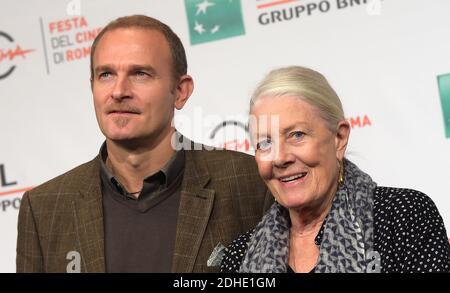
point(274, 3)
point(87, 36)
point(78, 53)
point(67, 24)
point(16, 191)
point(11, 54)
point(235, 145)
point(359, 122)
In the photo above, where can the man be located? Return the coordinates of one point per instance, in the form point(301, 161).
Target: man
point(140, 205)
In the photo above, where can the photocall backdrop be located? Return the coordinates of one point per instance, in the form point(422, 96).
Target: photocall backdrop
point(388, 61)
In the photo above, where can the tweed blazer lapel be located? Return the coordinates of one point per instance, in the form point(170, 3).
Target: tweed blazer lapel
point(196, 204)
point(88, 213)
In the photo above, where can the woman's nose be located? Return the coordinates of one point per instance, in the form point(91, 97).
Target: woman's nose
point(283, 156)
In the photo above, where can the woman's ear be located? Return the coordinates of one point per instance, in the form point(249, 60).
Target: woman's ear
point(341, 140)
point(183, 91)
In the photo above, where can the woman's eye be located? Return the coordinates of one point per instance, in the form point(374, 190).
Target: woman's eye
point(298, 134)
point(264, 145)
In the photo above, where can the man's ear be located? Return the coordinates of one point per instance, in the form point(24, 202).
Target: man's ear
point(341, 140)
point(183, 91)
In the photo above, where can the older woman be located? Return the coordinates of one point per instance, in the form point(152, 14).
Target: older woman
point(328, 215)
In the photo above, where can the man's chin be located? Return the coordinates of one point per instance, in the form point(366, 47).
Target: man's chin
point(120, 136)
point(127, 142)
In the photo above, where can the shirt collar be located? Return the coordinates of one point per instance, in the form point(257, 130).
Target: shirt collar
point(159, 180)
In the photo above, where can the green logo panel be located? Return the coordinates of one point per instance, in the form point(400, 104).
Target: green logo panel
point(212, 20)
point(444, 90)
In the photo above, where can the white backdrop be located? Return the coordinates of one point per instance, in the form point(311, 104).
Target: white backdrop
point(382, 57)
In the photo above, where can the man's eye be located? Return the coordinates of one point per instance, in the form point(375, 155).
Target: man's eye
point(104, 75)
point(141, 74)
point(264, 145)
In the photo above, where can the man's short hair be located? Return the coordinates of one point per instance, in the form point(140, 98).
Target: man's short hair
point(145, 22)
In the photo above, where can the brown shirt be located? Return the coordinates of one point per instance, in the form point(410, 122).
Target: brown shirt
point(140, 233)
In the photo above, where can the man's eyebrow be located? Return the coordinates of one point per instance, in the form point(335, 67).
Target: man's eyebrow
point(130, 68)
point(143, 67)
point(101, 68)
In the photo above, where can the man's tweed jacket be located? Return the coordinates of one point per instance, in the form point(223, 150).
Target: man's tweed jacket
point(222, 196)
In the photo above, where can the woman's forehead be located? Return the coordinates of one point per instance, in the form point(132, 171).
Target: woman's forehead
point(268, 104)
point(286, 110)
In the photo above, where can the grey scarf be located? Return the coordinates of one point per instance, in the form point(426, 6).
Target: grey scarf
point(347, 240)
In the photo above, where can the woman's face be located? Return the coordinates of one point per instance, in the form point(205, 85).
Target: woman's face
point(297, 156)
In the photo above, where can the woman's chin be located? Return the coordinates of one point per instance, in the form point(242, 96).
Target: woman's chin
point(291, 202)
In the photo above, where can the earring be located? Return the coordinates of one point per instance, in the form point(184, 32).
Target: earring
point(341, 172)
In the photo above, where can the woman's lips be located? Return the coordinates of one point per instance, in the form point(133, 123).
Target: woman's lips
point(292, 180)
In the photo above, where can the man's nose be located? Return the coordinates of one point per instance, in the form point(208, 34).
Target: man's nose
point(121, 88)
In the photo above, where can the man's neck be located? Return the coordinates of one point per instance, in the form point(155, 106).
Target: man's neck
point(132, 163)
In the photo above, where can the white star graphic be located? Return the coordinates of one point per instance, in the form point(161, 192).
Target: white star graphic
point(199, 28)
point(201, 7)
point(215, 29)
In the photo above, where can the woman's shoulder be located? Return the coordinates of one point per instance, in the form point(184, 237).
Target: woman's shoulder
point(404, 198)
point(410, 232)
point(394, 192)
point(404, 203)
point(235, 252)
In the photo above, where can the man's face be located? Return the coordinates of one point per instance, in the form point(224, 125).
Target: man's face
point(133, 86)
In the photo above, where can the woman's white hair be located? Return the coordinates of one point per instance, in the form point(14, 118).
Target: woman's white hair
point(306, 84)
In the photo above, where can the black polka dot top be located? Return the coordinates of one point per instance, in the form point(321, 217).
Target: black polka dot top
point(409, 234)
